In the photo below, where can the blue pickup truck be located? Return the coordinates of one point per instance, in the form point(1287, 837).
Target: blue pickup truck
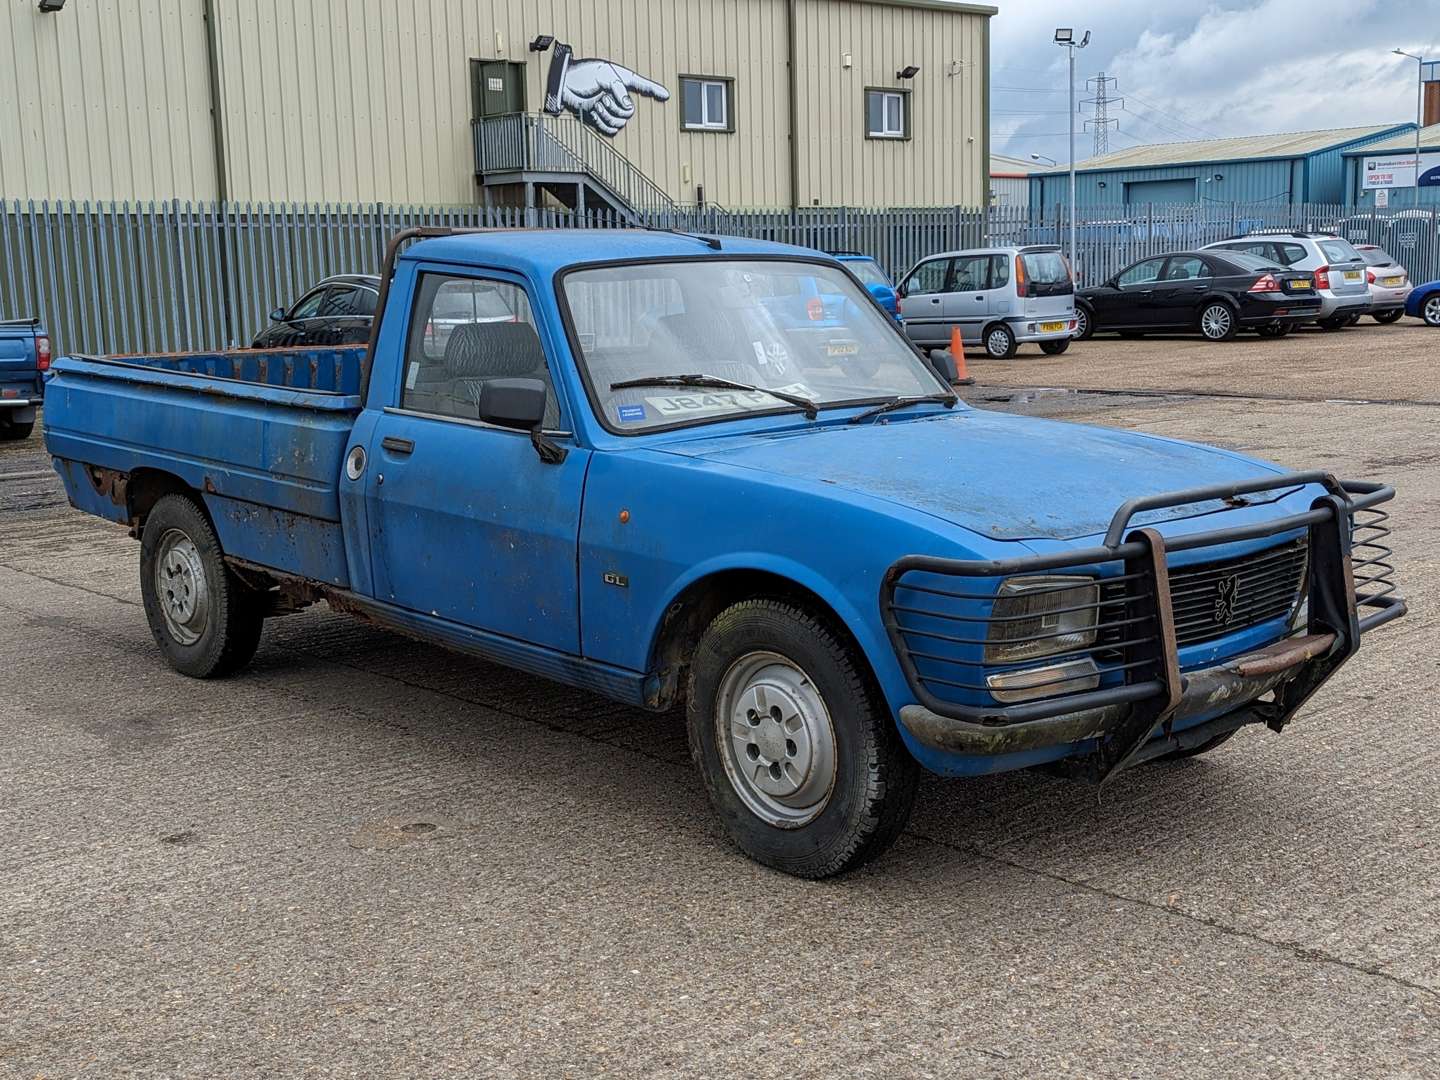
point(24, 360)
point(643, 481)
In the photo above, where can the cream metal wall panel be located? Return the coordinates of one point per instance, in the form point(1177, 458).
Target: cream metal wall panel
point(106, 99)
point(945, 159)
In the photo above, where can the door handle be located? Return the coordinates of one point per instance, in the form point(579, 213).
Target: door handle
point(1199, 288)
point(934, 299)
point(397, 445)
point(979, 299)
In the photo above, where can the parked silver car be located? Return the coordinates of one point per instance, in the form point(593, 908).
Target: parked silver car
point(1389, 283)
point(1000, 298)
point(1338, 268)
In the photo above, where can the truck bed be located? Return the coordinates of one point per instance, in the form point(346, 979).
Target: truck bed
point(260, 434)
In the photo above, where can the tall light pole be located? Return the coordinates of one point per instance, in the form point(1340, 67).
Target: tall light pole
point(1065, 37)
point(1419, 110)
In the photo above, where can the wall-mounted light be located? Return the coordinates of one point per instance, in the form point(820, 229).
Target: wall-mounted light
point(907, 72)
point(49, 6)
point(543, 42)
point(1100, 183)
point(846, 60)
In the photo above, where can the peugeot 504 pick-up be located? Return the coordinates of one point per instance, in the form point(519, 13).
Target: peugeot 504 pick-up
point(666, 478)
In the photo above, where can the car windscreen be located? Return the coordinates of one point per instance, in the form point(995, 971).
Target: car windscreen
point(1339, 251)
point(469, 301)
point(868, 271)
point(1046, 273)
point(1376, 256)
point(1246, 261)
point(803, 329)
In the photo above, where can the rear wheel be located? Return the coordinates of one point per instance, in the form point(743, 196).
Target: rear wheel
point(1353, 320)
point(1054, 348)
point(1218, 322)
point(1335, 322)
point(1278, 330)
point(1000, 343)
point(10, 430)
point(206, 621)
point(1430, 311)
point(1388, 316)
point(797, 750)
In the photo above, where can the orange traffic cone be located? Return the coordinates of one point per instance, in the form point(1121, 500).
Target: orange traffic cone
point(957, 353)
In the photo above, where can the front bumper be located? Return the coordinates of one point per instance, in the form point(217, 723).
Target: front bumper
point(1147, 692)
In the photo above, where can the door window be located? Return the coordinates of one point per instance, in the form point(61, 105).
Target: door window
point(1189, 268)
point(1143, 273)
point(999, 271)
point(928, 277)
point(972, 273)
point(309, 306)
point(464, 332)
point(1289, 254)
point(336, 303)
point(364, 301)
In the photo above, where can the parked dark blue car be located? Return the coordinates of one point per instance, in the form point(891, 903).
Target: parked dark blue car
point(24, 360)
point(646, 483)
point(1424, 303)
point(874, 278)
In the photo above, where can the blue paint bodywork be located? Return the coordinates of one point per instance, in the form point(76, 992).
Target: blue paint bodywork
point(1418, 295)
point(22, 388)
point(883, 292)
point(471, 541)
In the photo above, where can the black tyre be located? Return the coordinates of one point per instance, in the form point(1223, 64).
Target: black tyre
point(1335, 322)
point(1278, 330)
point(1353, 320)
point(1054, 348)
point(1218, 321)
point(1195, 751)
point(1131, 335)
point(1386, 317)
point(11, 431)
point(205, 619)
point(1000, 342)
point(1430, 310)
point(796, 747)
point(1084, 323)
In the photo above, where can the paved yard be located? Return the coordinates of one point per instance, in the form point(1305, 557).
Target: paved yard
point(365, 857)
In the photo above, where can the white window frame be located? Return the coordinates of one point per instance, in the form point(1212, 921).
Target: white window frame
point(886, 132)
point(707, 122)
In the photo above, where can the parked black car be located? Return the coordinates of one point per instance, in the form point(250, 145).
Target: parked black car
point(337, 311)
point(1216, 294)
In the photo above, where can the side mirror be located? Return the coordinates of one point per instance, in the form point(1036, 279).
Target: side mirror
point(884, 295)
point(278, 315)
point(900, 292)
point(513, 403)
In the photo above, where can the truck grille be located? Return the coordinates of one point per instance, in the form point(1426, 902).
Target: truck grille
point(1213, 599)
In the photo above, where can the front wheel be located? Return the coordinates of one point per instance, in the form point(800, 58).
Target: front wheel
point(1084, 324)
point(1386, 317)
point(1430, 311)
point(1218, 322)
point(12, 431)
point(797, 750)
point(1000, 342)
point(1054, 348)
point(206, 620)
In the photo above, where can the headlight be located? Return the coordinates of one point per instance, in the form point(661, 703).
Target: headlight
point(1041, 616)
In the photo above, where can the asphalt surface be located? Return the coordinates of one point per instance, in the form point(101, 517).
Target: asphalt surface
point(365, 857)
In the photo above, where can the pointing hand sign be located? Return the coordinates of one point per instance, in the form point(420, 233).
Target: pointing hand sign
point(600, 92)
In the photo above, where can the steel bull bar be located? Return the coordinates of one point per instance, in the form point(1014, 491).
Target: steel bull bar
point(930, 604)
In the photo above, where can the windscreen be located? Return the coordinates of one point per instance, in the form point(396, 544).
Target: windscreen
point(1339, 251)
point(868, 271)
point(803, 329)
point(1376, 256)
point(1046, 273)
point(1246, 261)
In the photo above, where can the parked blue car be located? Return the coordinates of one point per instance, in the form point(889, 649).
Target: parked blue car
point(646, 484)
point(1424, 303)
point(24, 362)
point(874, 278)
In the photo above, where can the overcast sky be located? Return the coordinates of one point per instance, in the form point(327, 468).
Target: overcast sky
point(1193, 69)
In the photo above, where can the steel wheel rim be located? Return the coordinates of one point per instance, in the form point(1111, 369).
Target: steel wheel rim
point(180, 587)
point(1432, 311)
point(1216, 321)
point(776, 739)
point(998, 343)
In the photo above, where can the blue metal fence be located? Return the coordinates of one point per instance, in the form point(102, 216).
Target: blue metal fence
point(176, 276)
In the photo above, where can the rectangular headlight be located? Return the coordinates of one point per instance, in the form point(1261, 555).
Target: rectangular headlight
point(1041, 616)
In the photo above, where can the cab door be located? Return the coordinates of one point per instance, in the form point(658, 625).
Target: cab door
point(466, 522)
point(1185, 281)
point(1132, 304)
point(922, 301)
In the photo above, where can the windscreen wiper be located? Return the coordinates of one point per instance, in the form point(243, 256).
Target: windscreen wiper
point(948, 400)
point(715, 383)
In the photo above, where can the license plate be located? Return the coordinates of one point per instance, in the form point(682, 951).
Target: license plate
point(1352, 275)
point(1051, 327)
point(1391, 281)
point(1301, 283)
point(842, 348)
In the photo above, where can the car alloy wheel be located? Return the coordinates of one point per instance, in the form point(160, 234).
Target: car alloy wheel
point(1431, 311)
point(1000, 343)
point(1082, 324)
point(1217, 322)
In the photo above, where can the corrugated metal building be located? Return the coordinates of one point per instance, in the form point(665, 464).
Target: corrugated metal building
point(1010, 180)
point(438, 101)
point(1297, 167)
point(1361, 180)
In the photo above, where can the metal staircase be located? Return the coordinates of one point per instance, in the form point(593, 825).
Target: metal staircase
point(537, 148)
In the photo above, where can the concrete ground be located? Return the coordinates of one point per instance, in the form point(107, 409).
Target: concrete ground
point(365, 857)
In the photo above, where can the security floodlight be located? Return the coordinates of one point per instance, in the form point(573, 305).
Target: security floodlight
point(49, 6)
point(1085, 40)
point(1064, 35)
point(907, 72)
point(543, 42)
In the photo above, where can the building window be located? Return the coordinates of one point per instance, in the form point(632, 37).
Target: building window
point(706, 103)
point(887, 114)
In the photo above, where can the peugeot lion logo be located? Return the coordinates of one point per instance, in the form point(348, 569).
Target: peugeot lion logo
point(1226, 593)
